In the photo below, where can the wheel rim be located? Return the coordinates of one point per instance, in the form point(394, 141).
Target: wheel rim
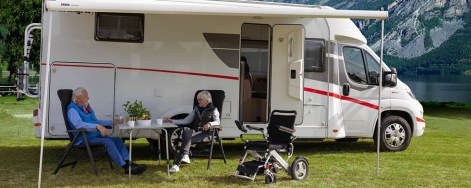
point(300, 170)
point(174, 143)
point(395, 135)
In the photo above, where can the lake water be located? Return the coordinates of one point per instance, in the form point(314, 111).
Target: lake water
point(437, 88)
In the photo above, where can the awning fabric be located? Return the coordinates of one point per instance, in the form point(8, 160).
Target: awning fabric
point(210, 7)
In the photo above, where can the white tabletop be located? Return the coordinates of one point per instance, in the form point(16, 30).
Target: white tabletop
point(151, 126)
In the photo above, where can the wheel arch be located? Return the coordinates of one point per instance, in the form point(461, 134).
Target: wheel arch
point(402, 114)
point(406, 115)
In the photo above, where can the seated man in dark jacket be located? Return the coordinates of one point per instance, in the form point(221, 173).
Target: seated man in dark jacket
point(81, 115)
point(200, 120)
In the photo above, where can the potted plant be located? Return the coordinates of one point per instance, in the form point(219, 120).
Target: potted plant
point(137, 112)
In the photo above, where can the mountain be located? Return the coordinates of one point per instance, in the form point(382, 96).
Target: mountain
point(421, 36)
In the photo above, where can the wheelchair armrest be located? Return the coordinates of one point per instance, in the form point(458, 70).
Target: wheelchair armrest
point(286, 129)
point(240, 125)
point(255, 128)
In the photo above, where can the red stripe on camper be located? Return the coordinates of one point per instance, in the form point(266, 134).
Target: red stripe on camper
point(330, 94)
point(181, 72)
point(86, 66)
point(151, 70)
point(420, 119)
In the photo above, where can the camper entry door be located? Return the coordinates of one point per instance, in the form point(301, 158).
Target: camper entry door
point(287, 87)
point(97, 78)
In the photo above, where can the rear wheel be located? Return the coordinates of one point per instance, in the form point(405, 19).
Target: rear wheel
point(299, 168)
point(395, 134)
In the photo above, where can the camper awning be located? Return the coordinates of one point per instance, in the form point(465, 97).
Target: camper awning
point(210, 7)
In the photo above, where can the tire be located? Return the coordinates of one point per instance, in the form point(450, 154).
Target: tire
point(347, 139)
point(171, 146)
point(299, 168)
point(270, 178)
point(395, 134)
point(173, 137)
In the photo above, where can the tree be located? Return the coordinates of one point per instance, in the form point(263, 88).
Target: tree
point(15, 16)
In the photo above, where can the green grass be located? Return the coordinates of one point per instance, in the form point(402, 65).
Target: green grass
point(440, 158)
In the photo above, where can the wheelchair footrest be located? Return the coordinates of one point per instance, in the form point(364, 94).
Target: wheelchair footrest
point(251, 167)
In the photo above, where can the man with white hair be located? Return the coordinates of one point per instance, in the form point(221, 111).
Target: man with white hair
point(203, 116)
point(81, 115)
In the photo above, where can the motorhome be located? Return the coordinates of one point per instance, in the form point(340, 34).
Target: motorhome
point(312, 59)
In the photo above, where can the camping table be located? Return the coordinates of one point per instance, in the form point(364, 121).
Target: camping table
point(154, 127)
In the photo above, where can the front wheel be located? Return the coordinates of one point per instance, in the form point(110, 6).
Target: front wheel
point(395, 134)
point(270, 178)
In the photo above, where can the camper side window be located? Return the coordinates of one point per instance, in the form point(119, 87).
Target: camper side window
point(313, 55)
point(119, 27)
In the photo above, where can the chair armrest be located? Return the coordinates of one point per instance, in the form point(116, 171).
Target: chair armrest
point(215, 127)
point(80, 130)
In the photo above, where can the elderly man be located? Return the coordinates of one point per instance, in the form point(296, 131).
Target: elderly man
point(81, 115)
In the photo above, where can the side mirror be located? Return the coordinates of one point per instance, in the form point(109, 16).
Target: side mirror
point(390, 78)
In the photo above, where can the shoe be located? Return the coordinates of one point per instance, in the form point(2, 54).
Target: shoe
point(136, 169)
point(174, 169)
point(186, 159)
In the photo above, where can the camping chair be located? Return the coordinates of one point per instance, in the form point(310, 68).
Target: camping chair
point(218, 100)
point(65, 96)
point(280, 132)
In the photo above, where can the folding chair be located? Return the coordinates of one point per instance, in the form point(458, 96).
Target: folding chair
point(65, 96)
point(218, 97)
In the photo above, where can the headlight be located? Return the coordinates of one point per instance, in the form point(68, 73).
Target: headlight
point(411, 94)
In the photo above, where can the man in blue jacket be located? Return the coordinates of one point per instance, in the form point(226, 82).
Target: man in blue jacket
point(81, 115)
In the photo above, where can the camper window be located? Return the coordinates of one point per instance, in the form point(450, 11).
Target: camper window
point(119, 27)
point(313, 58)
point(354, 64)
point(373, 69)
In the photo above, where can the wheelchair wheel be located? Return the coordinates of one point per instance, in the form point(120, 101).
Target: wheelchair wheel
point(299, 168)
point(270, 178)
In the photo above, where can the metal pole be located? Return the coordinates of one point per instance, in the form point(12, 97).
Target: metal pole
point(379, 97)
point(45, 100)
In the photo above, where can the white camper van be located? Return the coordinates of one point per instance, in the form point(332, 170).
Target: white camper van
point(311, 59)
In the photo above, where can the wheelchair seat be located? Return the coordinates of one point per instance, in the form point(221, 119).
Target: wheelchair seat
point(262, 146)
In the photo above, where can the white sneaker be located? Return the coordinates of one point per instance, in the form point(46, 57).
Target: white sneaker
point(186, 159)
point(174, 169)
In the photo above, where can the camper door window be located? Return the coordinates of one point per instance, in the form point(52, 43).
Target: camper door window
point(119, 27)
point(313, 58)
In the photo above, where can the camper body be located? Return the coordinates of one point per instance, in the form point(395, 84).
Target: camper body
point(320, 67)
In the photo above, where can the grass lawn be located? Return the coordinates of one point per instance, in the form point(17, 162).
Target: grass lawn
point(440, 158)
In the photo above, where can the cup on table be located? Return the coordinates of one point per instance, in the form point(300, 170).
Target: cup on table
point(160, 121)
point(131, 123)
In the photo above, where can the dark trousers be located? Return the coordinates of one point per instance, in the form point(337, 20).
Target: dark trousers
point(190, 136)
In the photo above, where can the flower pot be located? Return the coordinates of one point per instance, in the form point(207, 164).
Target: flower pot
point(143, 122)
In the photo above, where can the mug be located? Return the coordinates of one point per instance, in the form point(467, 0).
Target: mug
point(131, 123)
point(160, 121)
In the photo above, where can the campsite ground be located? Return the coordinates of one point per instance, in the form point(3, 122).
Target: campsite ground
point(440, 158)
